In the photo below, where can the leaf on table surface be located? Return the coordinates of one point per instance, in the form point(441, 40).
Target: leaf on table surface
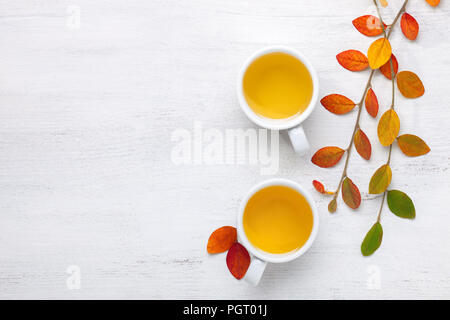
point(412, 145)
point(353, 60)
point(332, 206)
point(350, 193)
point(238, 260)
point(327, 156)
point(388, 127)
point(409, 26)
point(410, 84)
point(380, 180)
point(386, 68)
point(221, 239)
point(433, 3)
point(372, 240)
point(400, 204)
point(362, 144)
point(337, 103)
point(368, 25)
point(371, 103)
point(379, 53)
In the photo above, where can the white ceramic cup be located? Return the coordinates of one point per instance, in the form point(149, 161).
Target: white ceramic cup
point(293, 124)
point(259, 257)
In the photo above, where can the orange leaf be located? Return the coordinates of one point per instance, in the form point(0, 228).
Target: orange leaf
point(379, 53)
point(412, 145)
point(386, 68)
point(388, 127)
point(221, 240)
point(327, 156)
point(410, 84)
point(410, 27)
point(368, 25)
point(238, 260)
point(332, 206)
point(433, 3)
point(350, 193)
point(353, 60)
point(362, 144)
point(371, 103)
point(384, 3)
point(318, 186)
point(337, 103)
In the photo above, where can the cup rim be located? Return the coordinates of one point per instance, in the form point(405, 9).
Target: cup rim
point(278, 124)
point(272, 257)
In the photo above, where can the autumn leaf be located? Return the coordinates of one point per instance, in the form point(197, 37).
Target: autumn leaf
point(433, 3)
point(409, 25)
point(380, 180)
point(388, 127)
point(400, 204)
point(238, 260)
point(350, 193)
point(379, 53)
point(410, 84)
point(368, 25)
point(327, 156)
point(320, 187)
point(372, 240)
point(412, 145)
point(337, 103)
point(384, 3)
point(371, 103)
point(221, 239)
point(332, 206)
point(386, 68)
point(353, 60)
point(362, 144)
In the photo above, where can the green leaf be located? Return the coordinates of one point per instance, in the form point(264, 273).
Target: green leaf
point(372, 241)
point(400, 204)
point(332, 206)
point(380, 180)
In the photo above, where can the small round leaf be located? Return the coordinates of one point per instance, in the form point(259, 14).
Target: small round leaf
point(372, 240)
point(412, 145)
point(388, 127)
point(351, 194)
point(410, 84)
point(400, 204)
point(327, 156)
point(380, 180)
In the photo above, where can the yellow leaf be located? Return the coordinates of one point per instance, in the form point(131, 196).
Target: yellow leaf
point(384, 3)
point(380, 180)
point(388, 127)
point(379, 53)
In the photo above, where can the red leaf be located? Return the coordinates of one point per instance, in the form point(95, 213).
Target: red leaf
point(221, 239)
point(238, 260)
point(318, 186)
point(371, 103)
point(327, 156)
point(362, 144)
point(337, 103)
point(353, 60)
point(410, 27)
point(386, 68)
point(350, 193)
point(368, 25)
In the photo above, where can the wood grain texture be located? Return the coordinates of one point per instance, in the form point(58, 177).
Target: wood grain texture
point(86, 176)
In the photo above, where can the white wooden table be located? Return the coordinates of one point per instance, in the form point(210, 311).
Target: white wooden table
point(91, 93)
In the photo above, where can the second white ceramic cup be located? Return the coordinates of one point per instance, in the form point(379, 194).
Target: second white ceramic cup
point(292, 124)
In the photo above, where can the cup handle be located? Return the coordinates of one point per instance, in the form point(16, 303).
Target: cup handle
point(299, 140)
point(255, 271)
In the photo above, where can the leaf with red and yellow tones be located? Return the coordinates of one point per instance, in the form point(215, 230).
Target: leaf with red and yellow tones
point(388, 127)
point(379, 53)
point(410, 84)
point(327, 156)
point(384, 3)
point(221, 239)
point(337, 103)
point(332, 206)
point(320, 187)
point(353, 60)
point(350, 193)
point(433, 3)
point(368, 25)
point(371, 103)
point(412, 145)
point(238, 260)
point(380, 180)
point(409, 25)
point(386, 68)
point(362, 144)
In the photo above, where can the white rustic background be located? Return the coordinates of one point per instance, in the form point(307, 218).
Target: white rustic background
point(86, 177)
